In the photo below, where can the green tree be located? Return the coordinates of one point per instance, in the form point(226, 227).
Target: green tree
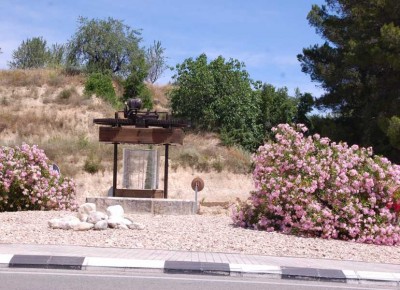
point(134, 85)
point(104, 46)
point(358, 66)
point(218, 96)
point(156, 62)
point(393, 131)
point(57, 54)
point(32, 53)
point(304, 107)
point(276, 106)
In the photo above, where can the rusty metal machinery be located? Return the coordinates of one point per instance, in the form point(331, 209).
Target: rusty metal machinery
point(133, 116)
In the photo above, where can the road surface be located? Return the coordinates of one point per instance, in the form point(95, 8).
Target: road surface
point(35, 279)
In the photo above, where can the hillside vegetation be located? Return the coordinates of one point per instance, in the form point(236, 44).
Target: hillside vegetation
point(50, 109)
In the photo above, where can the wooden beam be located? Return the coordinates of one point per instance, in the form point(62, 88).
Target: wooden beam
point(140, 135)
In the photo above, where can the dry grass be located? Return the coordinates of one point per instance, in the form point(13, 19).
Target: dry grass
point(204, 153)
point(37, 77)
point(159, 94)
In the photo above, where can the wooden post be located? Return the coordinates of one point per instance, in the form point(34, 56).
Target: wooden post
point(115, 168)
point(166, 172)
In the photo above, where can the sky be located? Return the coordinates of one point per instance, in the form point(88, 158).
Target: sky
point(266, 35)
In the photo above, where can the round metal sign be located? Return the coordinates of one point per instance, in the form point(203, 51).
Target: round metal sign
point(199, 183)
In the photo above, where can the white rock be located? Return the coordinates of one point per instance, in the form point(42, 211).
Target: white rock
point(101, 225)
point(71, 224)
point(65, 223)
point(87, 208)
point(136, 226)
point(122, 227)
point(96, 216)
point(83, 226)
point(113, 221)
point(115, 211)
point(126, 221)
point(83, 217)
point(54, 223)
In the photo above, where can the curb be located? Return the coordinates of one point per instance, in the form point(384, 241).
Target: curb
point(203, 268)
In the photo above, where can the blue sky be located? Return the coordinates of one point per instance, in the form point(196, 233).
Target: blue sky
point(264, 34)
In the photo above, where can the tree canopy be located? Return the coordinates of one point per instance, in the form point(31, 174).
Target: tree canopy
point(156, 61)
point(358, 66)
point(32, 53)
point(104, 46)
point(276, 106)
point(218, 96)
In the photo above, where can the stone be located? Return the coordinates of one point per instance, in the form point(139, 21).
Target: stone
point(115, 211)
point(88, 218)
point(122, 227)
point(136, 226)
point(83, 226)
point(54, 223)
point(83, 217)
point(101, 225)
point(65, 223)
point(127, 221)
point(96, 216)
point(87, 208)
point(114, 221)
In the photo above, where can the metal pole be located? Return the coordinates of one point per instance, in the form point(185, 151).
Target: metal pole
point(195, 199)
point(166, 172)
point(115, 168)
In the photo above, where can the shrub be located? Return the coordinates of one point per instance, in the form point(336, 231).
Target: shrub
point(101, 85)
point(27, 182)
point(217, 165)
point(92, 164)
point(189, 157)
point(65, 94)
point(313, 187)
point(134, 87)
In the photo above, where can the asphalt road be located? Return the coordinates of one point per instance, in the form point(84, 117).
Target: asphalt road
point(34, 279)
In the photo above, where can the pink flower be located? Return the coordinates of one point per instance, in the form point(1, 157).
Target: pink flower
point(310, 186)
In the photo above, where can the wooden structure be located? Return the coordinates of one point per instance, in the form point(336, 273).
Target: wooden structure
point(129, 135)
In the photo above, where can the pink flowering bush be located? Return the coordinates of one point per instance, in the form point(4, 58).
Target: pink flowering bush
point(313, 187)
point(27, 182)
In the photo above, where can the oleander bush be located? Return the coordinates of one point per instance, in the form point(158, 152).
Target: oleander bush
point(28, 182)
point(310, 186)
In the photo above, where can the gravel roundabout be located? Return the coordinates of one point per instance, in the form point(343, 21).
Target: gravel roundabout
point(210, 233)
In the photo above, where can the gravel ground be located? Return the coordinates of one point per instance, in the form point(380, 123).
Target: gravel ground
point(211, 233)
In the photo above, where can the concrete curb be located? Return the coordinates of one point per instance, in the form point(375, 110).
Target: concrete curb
point(146, 205)
point(203, 268)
